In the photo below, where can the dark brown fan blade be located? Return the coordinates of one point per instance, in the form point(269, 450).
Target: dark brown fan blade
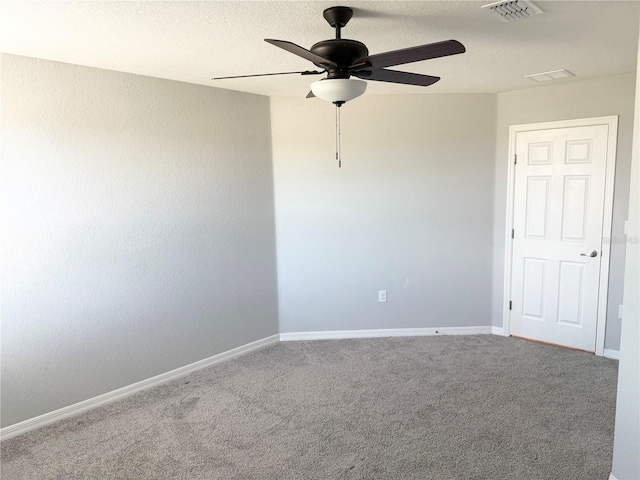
point(306, 72)
point(393, 76)
point(413, 54)
point(301, 52)
point(310, 95)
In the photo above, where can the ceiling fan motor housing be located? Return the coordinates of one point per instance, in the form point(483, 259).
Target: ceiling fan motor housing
point(342, 51)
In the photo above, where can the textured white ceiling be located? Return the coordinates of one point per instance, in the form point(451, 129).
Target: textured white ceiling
point(194, 41)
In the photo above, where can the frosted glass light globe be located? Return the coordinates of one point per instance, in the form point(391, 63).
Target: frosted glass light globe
point(338, 89)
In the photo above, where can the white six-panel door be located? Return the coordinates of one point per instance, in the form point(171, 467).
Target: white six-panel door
point(559, 197)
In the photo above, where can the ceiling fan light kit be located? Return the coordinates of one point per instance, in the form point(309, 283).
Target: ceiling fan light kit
point(338, 90)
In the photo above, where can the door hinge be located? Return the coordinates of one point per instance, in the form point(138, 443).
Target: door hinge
point(515, 158)
point(513, 233)
point(510, 304)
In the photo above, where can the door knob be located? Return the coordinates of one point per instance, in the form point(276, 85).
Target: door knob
point(592, 253)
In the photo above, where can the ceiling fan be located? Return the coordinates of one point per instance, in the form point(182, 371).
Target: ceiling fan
point(341, 58)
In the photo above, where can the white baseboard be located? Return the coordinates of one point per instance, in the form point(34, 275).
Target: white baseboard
point(614, 354)
point(119, 394)
point(498, 331)
point(611, 477)
point(384, 332)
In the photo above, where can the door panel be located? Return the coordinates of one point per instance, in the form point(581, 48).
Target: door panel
point(575, 208)
point(533, 288)
point(558, 216)
point(537, 207)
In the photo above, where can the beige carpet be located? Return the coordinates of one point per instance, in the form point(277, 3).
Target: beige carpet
point(476, 407)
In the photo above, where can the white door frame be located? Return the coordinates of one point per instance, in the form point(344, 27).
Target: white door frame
point(612, 123)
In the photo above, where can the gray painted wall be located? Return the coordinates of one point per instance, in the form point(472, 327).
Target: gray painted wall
point(137, 229)
point(626, 447)
point(612, 95)
point(409, 212)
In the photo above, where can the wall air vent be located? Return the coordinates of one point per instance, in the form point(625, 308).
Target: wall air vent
point(513, 10)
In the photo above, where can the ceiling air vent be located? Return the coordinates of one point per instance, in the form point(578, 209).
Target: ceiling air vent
point(553, 75)
point(513, 10)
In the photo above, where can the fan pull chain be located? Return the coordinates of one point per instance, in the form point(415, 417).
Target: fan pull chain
point(338, 149)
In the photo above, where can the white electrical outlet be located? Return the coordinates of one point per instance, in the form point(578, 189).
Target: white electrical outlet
point(620, 311)
point(382, 296)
